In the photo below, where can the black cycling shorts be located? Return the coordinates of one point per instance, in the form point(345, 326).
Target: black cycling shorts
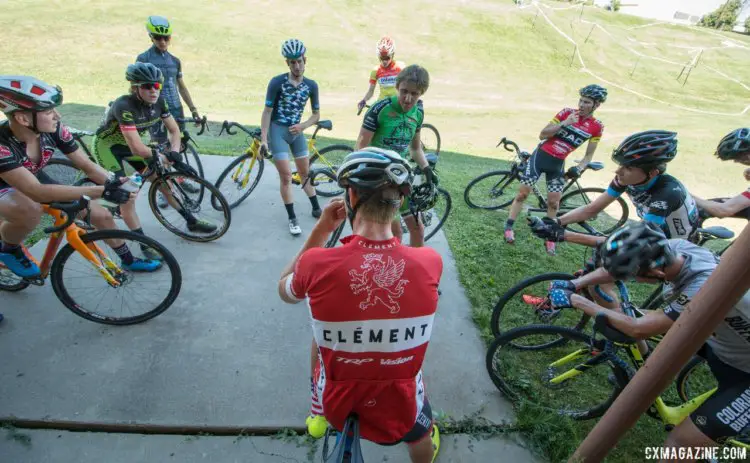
point(726, 413)
point(543, 163)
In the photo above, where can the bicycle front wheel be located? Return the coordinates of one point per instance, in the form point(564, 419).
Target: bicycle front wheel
point(63, 171)
point(525, 303)
point(330, 157)
point(570, 378)
point(239, 179)
point(605, 222)
point(430, 139)
point(137, 297)
point(491, 191)
point(187, 216)
point(694, 379)
point(435, 218)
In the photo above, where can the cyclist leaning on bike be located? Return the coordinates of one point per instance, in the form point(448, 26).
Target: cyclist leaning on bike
point(643, 252)
point(118, 139)
point(734, 146)
point(160, 32)
point(368, 350)
point(567, 131)
point(28, 139)
point(394, 123)
point(282, 131)
point(384, 75)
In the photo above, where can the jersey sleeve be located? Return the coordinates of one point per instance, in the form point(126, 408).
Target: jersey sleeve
point(615, 189)
point(374, 76)
point(8, 161)
point(298, 283)
point(561, 116)
point(123, 114)
point(179, 67)
point(596, 134)
point(371, 121)
point(272, 92)
point(314, 96)
point(64, 139)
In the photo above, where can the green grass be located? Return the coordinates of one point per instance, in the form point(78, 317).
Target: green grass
point(492, 75)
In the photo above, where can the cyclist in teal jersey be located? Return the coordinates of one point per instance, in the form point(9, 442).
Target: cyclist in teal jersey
point(394, 123)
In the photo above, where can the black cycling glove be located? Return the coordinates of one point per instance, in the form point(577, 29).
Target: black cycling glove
point(113, 193)
point(174, 156)
point(430, 175)
point(547, 229)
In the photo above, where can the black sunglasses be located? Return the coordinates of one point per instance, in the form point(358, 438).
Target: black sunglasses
point(161, 37)
point(150, 86)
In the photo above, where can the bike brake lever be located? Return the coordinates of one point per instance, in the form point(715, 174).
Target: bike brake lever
point(501, 142)
point(204, 125)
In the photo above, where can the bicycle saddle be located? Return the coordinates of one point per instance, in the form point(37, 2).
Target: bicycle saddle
point(613, 334)
point(432, 159)
point(718, 232)
point(79, 133)
point(326, 124)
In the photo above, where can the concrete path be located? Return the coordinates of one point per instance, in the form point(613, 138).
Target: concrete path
point(227, 353)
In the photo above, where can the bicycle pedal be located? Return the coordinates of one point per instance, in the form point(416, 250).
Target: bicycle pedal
point(36, 281)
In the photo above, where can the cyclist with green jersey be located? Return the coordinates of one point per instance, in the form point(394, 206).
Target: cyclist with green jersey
point(394, 123)
point(734, 146)
point(118, 140)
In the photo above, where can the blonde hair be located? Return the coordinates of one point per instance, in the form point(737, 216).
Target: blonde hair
point(381, 206)
point(415, 74)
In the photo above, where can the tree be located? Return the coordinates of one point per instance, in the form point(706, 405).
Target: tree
point(724, 17)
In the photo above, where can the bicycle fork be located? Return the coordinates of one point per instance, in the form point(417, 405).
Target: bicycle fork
point(554, 379)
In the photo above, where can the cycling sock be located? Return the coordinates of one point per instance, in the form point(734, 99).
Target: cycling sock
point(8, 248)
point(509, 224)
point(125, 255)
point(290, 211)
point(314, 202)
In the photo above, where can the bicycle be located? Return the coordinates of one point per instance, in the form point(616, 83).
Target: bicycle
point(527, 301)
point(554, 381)
point(433, 218)
point(87, 259)
point(496, 186)
point(191, 200)
point(348, 449)
point(64, 172)
point(429, 136)
point(238, 179)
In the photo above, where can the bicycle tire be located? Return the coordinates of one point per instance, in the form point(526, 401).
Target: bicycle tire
point(693, 367)
point(434, 130)
point(582, 194)
point(190, 153)
point(226, 174)
point(448, 207)
point(502, 179)
point(10, 282)
point(334, 161)
point(506, 383)
point(169, 261)
point(216, 195)
point(502, 319)
point(55, 166)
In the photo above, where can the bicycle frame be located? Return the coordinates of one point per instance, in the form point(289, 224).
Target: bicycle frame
point(90, 251)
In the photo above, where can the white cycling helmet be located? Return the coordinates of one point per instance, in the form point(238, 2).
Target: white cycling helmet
point(18, 93)
point(386, 47)
point(293, 49)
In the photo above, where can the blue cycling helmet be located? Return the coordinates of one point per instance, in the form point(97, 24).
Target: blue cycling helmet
point(293, 49)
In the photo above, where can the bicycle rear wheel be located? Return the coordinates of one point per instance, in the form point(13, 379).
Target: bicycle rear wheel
point(79, 285)
point(63, 171)
point(491, 191)
point(521, 304)
point(239, 179)
point(330, 157)
point(535, 376)
point(190, 206)
point(435, 218)
point(694, 379)
point(430, 139)
point(605, 222)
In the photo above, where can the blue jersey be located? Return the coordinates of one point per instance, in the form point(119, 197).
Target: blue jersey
point(288, 102)
point(171, 67)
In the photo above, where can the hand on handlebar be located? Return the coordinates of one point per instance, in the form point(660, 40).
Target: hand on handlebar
point(547, 229)
point(113, 192)
point(263, 151)
point(361, 106)
point(560, 298)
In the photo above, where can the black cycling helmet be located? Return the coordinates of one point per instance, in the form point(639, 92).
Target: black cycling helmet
point(595, 92)
point(634, 249)
point(734, 144)
point(646, 149)
point(373, 169)
point(144, 73)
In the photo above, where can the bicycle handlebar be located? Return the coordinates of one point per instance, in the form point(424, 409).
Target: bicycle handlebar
point(505, 142)
point(203, 122)
point(226, 126)
point(71, 210)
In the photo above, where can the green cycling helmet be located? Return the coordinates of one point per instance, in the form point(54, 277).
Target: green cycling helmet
point(158, 25)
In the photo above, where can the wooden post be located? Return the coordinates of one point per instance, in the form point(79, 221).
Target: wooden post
point(638, 60)
point(700, 55)
point(683, 70)
point(573, 56)
point(581, 15)
point(592, 30)
point(726, 285)
point(690, 69)
point(533, 23)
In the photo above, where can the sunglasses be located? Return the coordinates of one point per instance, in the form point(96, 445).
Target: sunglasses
point(150, 86)
point(161, 37)
point(385, 58)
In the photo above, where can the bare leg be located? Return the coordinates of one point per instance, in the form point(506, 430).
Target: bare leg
point(416, 231)
point(303, 168)
point(102, 219)
point(21, 216)
point(285, 178)
point(421, 450)
point(515, 208)
point(553, 204)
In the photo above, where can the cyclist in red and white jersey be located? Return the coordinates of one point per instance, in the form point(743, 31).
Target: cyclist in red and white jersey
point(568, 130)
point(372, 306)
point(384, 74)
point(734, 146)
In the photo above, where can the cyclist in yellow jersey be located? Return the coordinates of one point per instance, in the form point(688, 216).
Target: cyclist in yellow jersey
point(385, 73)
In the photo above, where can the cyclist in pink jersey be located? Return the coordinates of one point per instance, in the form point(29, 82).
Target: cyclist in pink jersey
point(372, 306)
point(568, 130)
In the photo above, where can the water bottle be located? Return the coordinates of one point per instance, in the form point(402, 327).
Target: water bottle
point(133, 184)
